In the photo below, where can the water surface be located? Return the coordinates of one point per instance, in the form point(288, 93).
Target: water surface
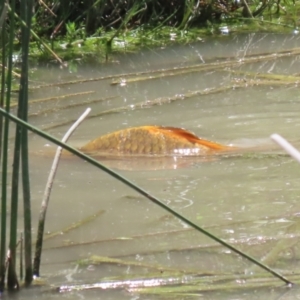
point(251, 201)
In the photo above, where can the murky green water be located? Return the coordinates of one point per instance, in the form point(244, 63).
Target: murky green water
point(252, 201)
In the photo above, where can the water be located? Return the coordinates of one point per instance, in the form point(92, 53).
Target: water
point(251, 201)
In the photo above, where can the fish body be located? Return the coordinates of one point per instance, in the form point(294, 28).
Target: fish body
point(152, 141)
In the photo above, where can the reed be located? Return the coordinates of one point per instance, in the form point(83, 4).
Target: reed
point(26, 15)
point(6, 86)
point(20, 156)
point(20, 149)
point(2, 87)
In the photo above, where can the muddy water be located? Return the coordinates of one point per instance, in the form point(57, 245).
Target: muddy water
point(250, 200)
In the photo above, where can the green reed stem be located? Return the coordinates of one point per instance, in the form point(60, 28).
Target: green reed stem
point(3, 202)
point(26, 11)
point(141, 191)
point(12, 280)
point(2, 88)
point(21, 152)
point(4, 149)
point(4, 173)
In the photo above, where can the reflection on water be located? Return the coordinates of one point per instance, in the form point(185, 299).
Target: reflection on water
point(250, 199)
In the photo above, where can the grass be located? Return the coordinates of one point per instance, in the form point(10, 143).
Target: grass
point(138, 26)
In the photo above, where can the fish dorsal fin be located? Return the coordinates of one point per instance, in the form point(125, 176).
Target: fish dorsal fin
point(191, 137)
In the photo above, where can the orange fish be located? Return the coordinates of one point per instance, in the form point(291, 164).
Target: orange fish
point(152, 141)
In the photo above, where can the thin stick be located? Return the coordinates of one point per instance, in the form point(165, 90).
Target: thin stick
point(39, 240)
point(284, 144)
